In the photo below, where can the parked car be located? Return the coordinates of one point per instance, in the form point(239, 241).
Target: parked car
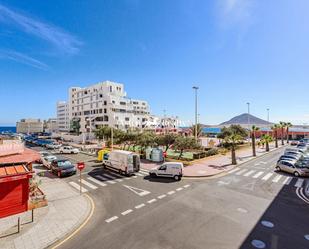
point(48, 160)
point(62, 167)
point(124, 162)
point(169, 169)
point(294, 143)
point(68, 150)
point(290, 156)
point(53, 146)
point(295, 168)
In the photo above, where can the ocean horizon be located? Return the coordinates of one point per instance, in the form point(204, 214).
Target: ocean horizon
point(8, 129)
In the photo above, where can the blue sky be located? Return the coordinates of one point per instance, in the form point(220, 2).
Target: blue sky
point(235, 50)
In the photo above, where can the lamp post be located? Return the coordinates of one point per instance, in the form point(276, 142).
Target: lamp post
point(268, 118)
point(195, 89)
point(248, 116)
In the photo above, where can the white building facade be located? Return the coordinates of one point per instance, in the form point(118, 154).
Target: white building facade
point(63, 119)
point(103, 104)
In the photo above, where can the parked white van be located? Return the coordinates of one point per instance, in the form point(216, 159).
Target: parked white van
point(169, 169)
point(124, 162)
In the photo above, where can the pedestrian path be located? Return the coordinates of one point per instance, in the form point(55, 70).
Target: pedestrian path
point(103, 180)
point(266, 176)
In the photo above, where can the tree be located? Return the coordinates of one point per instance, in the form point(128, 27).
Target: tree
point(275, 131)
point(232, 136)
point(254, 129)
point(288, 126)
point(166, 140)
point(146, 139)
point(282, 127)
point(199, 130)
point(185, 143)
point(103, 132)
point(266, 139)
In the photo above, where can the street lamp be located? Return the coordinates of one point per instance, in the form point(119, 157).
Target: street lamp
point(268, 114)
point(248, 116)
point(195, 89)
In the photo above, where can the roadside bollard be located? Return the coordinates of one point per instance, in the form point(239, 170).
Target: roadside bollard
point(18, 225)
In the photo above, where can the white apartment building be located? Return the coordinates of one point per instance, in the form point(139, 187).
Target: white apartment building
point(29, 126)
point(63, 119)
point(51, 125)
point(105, 103)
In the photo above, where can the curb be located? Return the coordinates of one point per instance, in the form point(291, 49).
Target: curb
point(238, 165)
point(74, 231)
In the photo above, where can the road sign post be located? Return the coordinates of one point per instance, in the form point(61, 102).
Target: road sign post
point(80, 166)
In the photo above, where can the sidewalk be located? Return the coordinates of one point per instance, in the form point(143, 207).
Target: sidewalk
point(217, 164)
point(65, 212)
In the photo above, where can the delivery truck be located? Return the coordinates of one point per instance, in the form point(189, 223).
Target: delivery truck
point(123, 162)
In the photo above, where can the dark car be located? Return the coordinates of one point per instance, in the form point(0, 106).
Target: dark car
point(62, 168)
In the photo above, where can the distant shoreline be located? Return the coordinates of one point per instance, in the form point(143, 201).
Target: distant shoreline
point(8, 129)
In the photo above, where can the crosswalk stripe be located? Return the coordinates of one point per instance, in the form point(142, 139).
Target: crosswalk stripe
point(299, 183)
point(257, 175)
point(267, 176)
point(234, 170)
point(105, 179)
point(241, 172)
point(127, 212)
point(96, 181)
point(88, 184)
point(118, 180)
point(76, 186)
point(109, 176)
point(111, 219)
point(139, 174)
point(287, 180)
point(144, 171)
point(277, 178)
point(250, 173)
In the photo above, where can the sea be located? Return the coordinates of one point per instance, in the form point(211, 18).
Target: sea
point(11, 129)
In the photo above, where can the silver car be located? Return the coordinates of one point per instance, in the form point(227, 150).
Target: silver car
point(293, 167)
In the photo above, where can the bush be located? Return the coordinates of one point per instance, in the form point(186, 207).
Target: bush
point(212, 152)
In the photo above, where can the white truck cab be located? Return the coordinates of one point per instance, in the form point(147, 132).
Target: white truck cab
point(168, 169)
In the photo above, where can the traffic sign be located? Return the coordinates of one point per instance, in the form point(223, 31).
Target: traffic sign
point(80, 165)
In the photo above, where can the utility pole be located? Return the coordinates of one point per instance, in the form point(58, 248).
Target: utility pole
point(268, 118)
point(248, 116)
point(195, 89)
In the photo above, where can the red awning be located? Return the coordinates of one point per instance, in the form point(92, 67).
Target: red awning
point(27, 156)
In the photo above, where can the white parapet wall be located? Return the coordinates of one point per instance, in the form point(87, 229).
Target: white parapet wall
point(11, 147)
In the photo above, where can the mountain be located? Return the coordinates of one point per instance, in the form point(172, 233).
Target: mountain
point(243, 120)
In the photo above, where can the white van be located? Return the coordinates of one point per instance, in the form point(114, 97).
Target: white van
point(169, 169)
point(124, 162)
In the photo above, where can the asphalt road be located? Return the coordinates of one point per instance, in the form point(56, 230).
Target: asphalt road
point(251, 207)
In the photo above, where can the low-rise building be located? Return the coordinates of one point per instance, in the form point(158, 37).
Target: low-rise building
point(29, 126)
point(51, 125)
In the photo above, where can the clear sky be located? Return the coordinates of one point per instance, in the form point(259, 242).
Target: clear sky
point(235, 50)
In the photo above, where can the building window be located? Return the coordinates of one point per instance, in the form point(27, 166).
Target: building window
point(110, 88)
point(105, 118)
point(122, 103)
point(127, 119)
point(105, 110)
point(100, 110)
point(105, 102)
point(113, 101)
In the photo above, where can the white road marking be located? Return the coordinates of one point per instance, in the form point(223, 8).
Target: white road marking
point(111, 219)
point(109, 176)
point(234, 170)
point(151, 201)
point(127, 212)
point(299, 183)
point(287, 180)
point(277, 178)
point(250, 173)
point(187, 186)
point(88, 184)
point(105, 179)
point(140, 206)
point(242, 210)
point(96, 181)
point(139, 174)
point(144, 171)
point(171, 192)
point(179, 189)
point(134, 176)
point(118, 180)
point(258, 174)
point(267, 176)
point(161, 196)
point(241, 172)
point(76, 186)
point(138, 191)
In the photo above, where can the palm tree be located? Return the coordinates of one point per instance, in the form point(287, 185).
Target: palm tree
point(266, 139)
point(232, 136)
point(275, 131)
point(199, 130)
point(288, 126)
point(282, 127)
point(253, 136)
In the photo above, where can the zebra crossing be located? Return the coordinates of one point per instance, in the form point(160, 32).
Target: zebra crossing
point(268, 177)
point(103, 180)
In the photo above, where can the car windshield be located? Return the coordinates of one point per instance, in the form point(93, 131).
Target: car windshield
point(64, 163)
point(300, 165)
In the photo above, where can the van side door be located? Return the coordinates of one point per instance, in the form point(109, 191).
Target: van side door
point(162, 170)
